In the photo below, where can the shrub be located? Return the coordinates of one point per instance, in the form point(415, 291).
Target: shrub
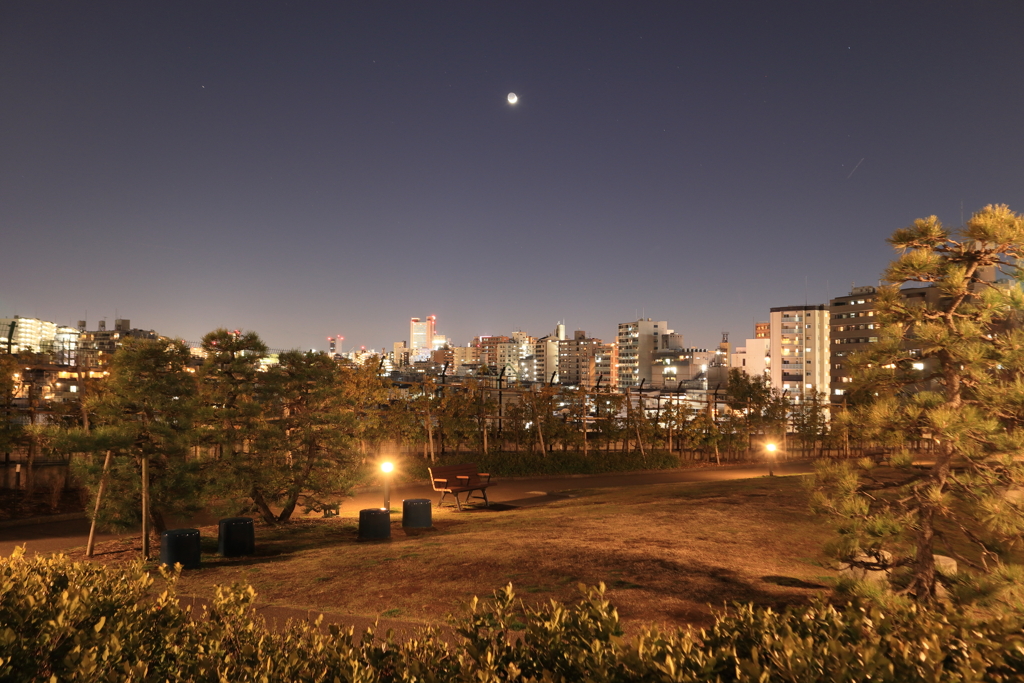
point(529, 463)
point(79, 622)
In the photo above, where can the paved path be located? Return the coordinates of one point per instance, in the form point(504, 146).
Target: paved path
point(56, 536)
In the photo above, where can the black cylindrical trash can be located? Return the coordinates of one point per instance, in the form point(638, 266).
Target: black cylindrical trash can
point(180, 546)
point(417, 513)
point(374, 524)
point(236, 537)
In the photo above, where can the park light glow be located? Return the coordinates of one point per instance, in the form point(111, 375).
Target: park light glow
point(387, 467)
point(771, 448)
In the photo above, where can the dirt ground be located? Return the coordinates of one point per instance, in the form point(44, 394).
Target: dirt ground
point(667, 553)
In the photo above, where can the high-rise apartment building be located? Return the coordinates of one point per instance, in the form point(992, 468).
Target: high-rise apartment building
point(578, 360)
point(800, 350)
point(499, 353)
point(541, 365)
point(762, 330)
point(855, 327)
point(606, 367)
point(637, 343)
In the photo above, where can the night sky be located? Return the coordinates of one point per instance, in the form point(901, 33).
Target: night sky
point(309, 169)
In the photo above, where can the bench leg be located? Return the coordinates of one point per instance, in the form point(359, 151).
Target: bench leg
point(487, 503)
point(458, 502)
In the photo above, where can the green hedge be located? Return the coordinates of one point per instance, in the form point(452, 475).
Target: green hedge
point(64, 621)
point(532, 463)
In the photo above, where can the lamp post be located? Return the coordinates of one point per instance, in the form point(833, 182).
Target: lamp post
point(387, 468)
point(771, 448)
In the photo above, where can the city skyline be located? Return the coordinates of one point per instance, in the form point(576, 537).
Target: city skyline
point(316, 171)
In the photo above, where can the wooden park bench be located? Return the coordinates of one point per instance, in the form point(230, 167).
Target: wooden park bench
point(456, 479)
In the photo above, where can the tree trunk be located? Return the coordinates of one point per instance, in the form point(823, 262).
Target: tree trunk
point(261, 504)
point(430, 436)
point(159, 523)
point(295, 490)
point(145, 508)
point(923, 583)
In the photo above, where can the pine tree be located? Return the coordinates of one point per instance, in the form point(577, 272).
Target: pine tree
point(317, 431)
point(145, 412)
point(949, 371)
point(234, 418)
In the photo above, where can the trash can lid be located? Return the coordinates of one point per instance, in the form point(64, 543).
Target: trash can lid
point(181, 532)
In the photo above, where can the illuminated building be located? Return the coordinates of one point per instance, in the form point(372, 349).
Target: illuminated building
point(578, 358)
point(672, 366)
point(96, 348)
point(800, 350)
point(421, 334)
point(399, 354)
point(855, 327)
point(29, 334)
point(60, 342)
point(637, 343)
point(754, 358)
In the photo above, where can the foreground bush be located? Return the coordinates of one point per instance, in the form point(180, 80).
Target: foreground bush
point(79, 622)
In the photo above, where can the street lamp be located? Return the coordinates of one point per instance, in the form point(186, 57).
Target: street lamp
point(387, 468)
point(771, 448)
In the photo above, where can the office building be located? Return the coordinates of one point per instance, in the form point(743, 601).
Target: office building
point(421, 334)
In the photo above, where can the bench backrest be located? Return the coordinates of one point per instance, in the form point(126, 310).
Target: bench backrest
point(450, 472)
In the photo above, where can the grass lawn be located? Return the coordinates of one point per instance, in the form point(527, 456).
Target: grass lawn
point(666, 552)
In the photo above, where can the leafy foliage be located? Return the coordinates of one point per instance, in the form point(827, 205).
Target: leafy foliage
point(146, 410)
point(81, 622)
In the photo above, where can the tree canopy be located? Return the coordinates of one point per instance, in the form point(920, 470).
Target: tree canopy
point(948, 370)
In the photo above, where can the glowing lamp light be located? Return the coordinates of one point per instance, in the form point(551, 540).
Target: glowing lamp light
point(386, 468)
point(770, 447)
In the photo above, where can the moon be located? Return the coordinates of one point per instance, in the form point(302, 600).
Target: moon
point(512, 98)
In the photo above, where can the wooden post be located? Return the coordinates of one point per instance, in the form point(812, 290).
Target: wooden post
point(91, 545)
point(145, 508)
point(584, 423)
